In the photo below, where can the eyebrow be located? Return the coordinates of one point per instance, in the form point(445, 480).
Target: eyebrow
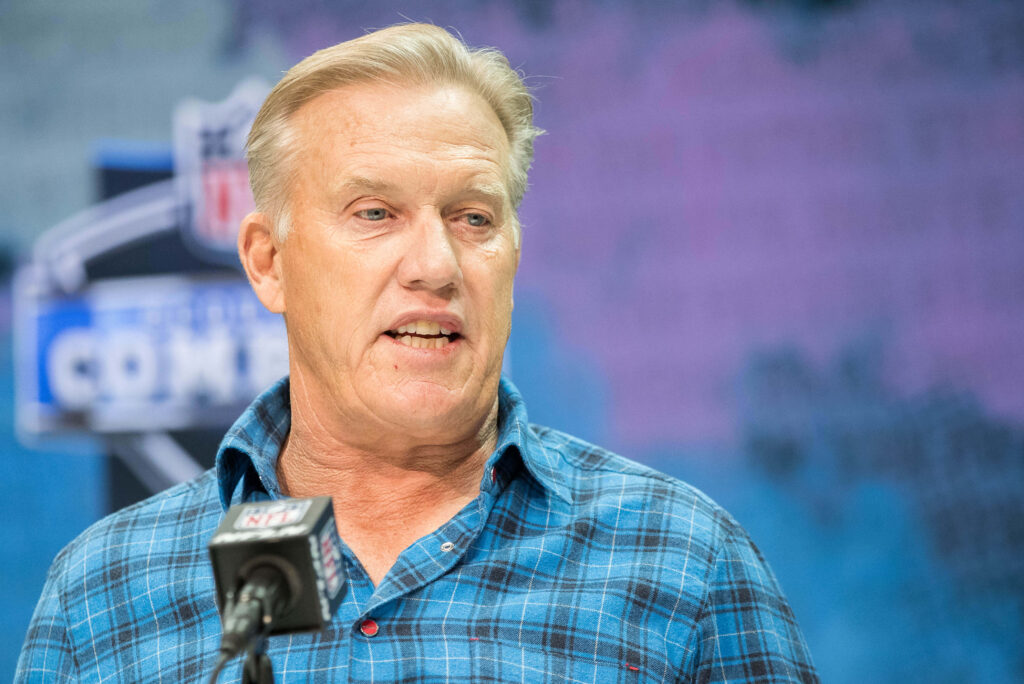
point(494, 193)
point(367, 184)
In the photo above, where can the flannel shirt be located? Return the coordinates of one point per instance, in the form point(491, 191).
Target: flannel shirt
point(573, 564)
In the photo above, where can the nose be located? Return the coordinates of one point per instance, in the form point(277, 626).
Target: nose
point(431, 260)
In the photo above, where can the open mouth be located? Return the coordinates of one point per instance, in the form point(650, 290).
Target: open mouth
point(423, 335)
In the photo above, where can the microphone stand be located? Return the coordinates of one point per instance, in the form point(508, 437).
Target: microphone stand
point(258, 669)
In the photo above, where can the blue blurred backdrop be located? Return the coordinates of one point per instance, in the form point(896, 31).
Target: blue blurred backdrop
point(772, 248)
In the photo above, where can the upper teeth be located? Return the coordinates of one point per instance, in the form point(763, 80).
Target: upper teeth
point(423, 328)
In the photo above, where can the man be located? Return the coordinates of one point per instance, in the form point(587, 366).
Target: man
point(387, 172)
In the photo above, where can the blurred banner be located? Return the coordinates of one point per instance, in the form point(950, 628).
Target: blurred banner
point(144, 354)
point(162, 349)
point(132, 319)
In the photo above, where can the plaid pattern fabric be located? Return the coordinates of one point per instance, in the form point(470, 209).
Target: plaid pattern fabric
point(573, 565)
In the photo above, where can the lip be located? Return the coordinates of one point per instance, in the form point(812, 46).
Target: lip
point(445, 319)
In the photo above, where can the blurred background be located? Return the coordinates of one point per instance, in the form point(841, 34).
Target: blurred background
point(771, 248)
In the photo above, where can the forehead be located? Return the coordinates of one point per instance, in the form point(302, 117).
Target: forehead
point(365, 129)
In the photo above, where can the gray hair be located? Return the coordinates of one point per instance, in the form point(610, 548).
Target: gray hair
point(413, 54)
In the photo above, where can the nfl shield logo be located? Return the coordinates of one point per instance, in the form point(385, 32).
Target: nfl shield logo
point(210, 170)
point(270, 514)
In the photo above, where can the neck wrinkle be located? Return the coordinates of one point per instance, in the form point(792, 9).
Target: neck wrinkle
point(366, 482)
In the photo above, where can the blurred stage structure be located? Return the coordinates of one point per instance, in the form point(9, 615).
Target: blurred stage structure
point(133, 320)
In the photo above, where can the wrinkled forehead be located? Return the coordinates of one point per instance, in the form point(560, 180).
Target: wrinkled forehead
point(441, 123)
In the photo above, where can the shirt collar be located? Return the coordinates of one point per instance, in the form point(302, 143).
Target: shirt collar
point(514, 433)
point(251, 447)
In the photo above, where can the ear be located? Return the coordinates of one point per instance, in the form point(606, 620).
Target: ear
point(260, 255)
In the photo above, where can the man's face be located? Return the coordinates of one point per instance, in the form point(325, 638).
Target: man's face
point(397, 271)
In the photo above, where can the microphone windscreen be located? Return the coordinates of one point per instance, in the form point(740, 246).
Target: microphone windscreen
point(299, 537)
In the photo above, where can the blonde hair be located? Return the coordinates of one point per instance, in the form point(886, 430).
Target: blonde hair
point(413, 54)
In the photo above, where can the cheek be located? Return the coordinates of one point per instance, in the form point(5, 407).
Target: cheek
point(317, 298)
point(494, 297)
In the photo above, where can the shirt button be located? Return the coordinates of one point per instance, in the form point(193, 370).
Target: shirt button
point(447, 546)
point(494, 475)
point(369, 628)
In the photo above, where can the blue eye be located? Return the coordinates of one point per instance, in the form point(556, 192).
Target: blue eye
point(375, 214)
point(476, 220)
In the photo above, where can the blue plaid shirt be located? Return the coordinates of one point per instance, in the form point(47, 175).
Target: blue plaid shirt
point(573, 564)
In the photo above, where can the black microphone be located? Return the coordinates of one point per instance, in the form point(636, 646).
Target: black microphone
point(278, 570)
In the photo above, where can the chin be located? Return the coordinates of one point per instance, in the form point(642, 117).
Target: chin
point(428, 408)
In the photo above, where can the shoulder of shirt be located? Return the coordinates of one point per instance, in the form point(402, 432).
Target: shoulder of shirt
point(594, 473)
point(185, 507)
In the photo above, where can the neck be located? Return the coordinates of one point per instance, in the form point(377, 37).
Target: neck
point(385, 498)
point(417, 476)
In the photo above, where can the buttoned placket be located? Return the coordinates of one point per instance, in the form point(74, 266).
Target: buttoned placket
point(428, 559)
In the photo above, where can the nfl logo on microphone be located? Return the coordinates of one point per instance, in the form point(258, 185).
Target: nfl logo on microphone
point(272, 514)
